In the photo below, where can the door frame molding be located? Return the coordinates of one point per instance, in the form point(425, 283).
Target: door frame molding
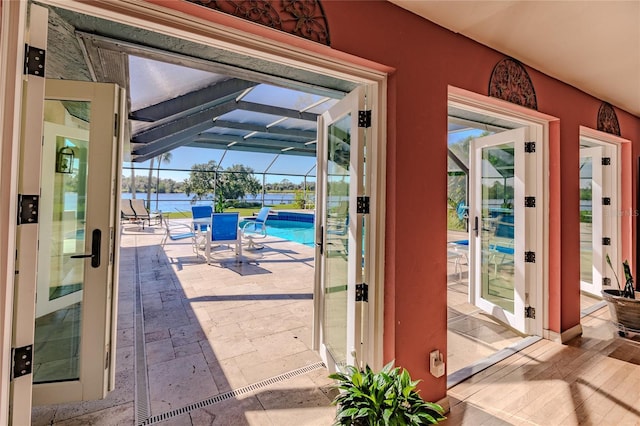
point(154, 17)
point(539, 124)
point(12, 39)
point(624, 188)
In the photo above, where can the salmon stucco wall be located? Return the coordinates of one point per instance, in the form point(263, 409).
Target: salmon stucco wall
point(426, 59)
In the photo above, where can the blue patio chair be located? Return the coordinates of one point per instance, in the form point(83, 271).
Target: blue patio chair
point(256, 229)
point(224, 231)
point(176, 231)
point(204, 214)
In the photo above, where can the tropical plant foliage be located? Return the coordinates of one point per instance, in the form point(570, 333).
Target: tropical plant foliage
point(386, 398)
point(628, 290)
point(235, 183)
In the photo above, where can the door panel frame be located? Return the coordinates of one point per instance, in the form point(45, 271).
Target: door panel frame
point(598, 265)
point(97, 347)
point(537, 179)
point(622, 183)
point(518, 137)
point(356, 321)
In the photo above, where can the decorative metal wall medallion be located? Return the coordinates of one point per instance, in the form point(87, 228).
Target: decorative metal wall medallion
point(608, 120)
point(304, 18)
point(510, 81)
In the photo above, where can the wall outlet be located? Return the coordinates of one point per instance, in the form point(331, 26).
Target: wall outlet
point(436, 364)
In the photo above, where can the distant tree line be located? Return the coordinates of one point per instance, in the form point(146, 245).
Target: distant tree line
point(172, 186)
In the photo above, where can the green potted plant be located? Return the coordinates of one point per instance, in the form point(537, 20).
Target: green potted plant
point(386, 398)
point(624, 308)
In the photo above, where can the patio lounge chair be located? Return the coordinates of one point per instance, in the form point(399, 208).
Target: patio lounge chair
point(256, 229)
point(142, 214)
point(224, 231)
point(126, 212)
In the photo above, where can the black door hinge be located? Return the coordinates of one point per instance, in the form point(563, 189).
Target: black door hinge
point(28, 208)
point(606, 161)
point(34, 60)
point(362, 292)
point(22, 361)
point(529, 201)
point(606, 281)
point(529, 312)
point(529, 147)
point(606, 241)
point(606, 201)
point(530, 256)
point(362, 205)
point(364, 119)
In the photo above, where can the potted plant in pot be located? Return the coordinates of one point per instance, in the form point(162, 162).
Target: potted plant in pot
point(624, 308)
point(386, 398)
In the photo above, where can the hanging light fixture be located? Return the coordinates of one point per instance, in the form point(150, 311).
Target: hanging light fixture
point(64, 160)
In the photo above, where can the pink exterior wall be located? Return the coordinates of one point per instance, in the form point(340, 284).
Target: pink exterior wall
point(426, 59)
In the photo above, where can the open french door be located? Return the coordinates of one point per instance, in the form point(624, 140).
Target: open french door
point(340, 314)
point(66, 283)
point(598, 218)
point(499, 235)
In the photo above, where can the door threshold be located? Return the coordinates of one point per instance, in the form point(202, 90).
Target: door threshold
point(591, 309)
point(464, 373)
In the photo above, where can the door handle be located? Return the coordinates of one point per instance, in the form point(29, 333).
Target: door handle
point(319, 243)
point(475, 225)
point(96, 239)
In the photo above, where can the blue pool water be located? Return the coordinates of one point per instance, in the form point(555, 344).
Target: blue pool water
point(296, 231)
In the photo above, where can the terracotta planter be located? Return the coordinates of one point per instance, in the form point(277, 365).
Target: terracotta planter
point(625, 312)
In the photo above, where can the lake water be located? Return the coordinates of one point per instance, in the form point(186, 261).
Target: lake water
point(181, 202)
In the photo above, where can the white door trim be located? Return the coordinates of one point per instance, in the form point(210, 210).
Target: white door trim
point(538, 124)
point(12, 40)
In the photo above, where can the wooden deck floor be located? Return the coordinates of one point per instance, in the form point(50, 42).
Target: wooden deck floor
point(592, 380)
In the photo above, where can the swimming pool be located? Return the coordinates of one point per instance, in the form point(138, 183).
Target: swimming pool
point(296, 231)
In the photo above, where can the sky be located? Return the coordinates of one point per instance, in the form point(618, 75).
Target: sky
point(294, 166)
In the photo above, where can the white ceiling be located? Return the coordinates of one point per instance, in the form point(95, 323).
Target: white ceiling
point(592, 45)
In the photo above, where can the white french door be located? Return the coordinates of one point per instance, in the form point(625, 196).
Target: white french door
point(66, 295)
point(498, 226)
point(598, 216)
point(340, 230)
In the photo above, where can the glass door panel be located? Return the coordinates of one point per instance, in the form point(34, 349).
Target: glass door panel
point(62, 236)
point(591, 220)
point(497, 239)
point(339, 317)
point(337, 241)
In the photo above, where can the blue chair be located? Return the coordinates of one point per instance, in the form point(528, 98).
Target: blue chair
point(256, 229)
point(204, 214)
point(224, 230)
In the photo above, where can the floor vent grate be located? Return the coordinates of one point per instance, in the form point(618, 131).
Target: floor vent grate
point(232, 394)
point(140, 368)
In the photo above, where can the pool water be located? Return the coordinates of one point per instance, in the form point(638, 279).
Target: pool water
point(298, 232)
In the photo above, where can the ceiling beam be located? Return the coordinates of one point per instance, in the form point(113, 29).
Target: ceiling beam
point(200, 121)
point(307, 134)
point(224, 90)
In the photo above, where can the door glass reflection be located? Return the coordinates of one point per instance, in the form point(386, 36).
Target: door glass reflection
point(62, 232)
point(497, 227)
point(336, 247)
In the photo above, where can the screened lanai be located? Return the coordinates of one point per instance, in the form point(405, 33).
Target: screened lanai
point(184, 94)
